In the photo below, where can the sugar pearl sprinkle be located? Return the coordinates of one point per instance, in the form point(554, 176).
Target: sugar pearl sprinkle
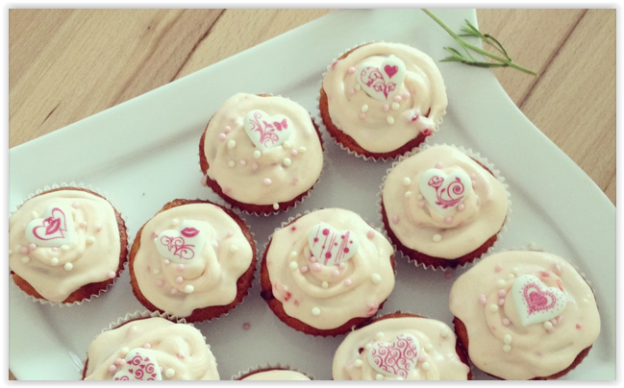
point(500, 283)
point(395, 106)
point(25, 259)
point(325, 284)
point(267, 181)
point(493, 308)
point(376, 278)
point(257, 154)
point(426, 366)
point(379, 376)
point(188, 289)
point(68, 266)
point(316, 311)
point(287, 162)
point(548, 325)
point(364, 108)
point(54, 261)
point(233, 248)
point(293, 265)
point(507, 339)
point(231, 144)
point(90, 240)
point(276, 206)
point(287, 144)
point(390, 120)
point(358, 363)
point(111, 274)
point(169, 373)
point(437, 238)
point(370, 234)
point(231, 163)
point(147, 346)
point(407, 181)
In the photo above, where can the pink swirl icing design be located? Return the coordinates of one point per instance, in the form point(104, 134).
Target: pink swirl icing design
point(443, 191)
point(182, 245)
point(178, 247)
point(535, 302)
point(266, 131)
point(397, 358)
point(330, 246)
point(139, 366)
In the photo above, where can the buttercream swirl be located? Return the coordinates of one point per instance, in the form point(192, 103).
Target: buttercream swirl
point(417, 105)
point(200, 271)
point(179, 349)
point(62, 240)
point(463, 227)
point(327, 296)
point(499, 343)
point(404, 348)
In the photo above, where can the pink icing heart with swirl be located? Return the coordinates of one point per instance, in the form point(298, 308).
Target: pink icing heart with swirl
point(53, 230)
point(535, 302)
point(443, 192)
point(182, 245)
point(331, 247)
point(397, 358)
point(267, 132)
point(382, 82)
point(140, 364)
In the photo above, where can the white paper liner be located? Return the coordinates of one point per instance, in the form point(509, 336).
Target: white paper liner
point(73, 185)
point(474, 155)
point(298, 215)
point(226, 205)
point(324, 141)
point(320, 121)
point(269, 366)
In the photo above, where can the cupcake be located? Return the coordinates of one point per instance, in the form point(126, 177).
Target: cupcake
point(524, 315)
point(326, 272)
point(150, 348)
point(273, 374)
point(381, 100)
point(66, 245)
point(193, 259)
point(442, 208)
point(401, 346)
point(261, 153)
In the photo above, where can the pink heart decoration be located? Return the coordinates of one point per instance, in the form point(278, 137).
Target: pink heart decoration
point(267, 132)
point(535, 302)
point(443, 192)
point(184, 244)
point(397, 358)
point(331, 247)
point(376, 80)
point(140, 364)
point(53, 230)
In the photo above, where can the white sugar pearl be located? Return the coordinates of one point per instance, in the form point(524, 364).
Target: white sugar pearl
point(233, 248)
point(287, 144)
point(169, 373)
point(379, 336)
point(276, 206)
point(379, 376)
point(175, 222)
point(156, 271)
point(324, 284)
point(293, 254)
point(316, 311)
point(54, 261)
point(507, 339)
point(90, 240)
point(364, 108)
point(515, 270)
point(231, 163)
point(437, 238)
point(287, 162)
point(390, 120)
point(407, 181)
point(188, 289)
point(493, 308)
point(501, 283)
point(358, 363)
point(125, 350)
point(428, 347)
point(65, 247)
point(25, 259)
point(408, 194)
point(257, 154)
point(293, 265)
point(302, 150)
point(426, 366)
point(231, 144)
point(548, 325)
point(395, 106)
point(69, 266)
point(376, 278)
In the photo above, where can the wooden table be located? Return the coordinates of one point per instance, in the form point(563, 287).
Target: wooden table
point(65, 65)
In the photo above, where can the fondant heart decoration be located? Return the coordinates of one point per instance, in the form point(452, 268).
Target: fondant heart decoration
point(184, 244)
point(56, 228)
point(267, 132)
point(140, 364)
point(382, 82)
point(398, 357)
point(535, 302)
point(331, 247)
point(443, 192)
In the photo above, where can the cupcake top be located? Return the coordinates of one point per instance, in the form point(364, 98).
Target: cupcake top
point(62, 240)
point(276, 375)
point(190, 257)
point(328, 267)
point(384, 94)
point(151, 349)
point(401, 348)
point(262, 150)
point(443, 203)
point(527, 314)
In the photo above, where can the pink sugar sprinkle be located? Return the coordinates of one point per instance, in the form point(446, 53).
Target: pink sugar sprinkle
point(362, 115)
point(506, 322)
point(75, 205)
point(112, 368)
point(405, 95)
point(578, 326)
point(422, 357)
point(222, 136)
point(498, 268)
point(167, 262)
point(501, 302)
point(316, 267)
point(229, 234)
point(386, 107)
point(147, 346)
point(174, 291)
point(227, 129)
point(395, 219)
point(179, 279)
point(293, 228)
point(448, 274)
point(313, 259)
point(204, 181)
point(154, 234)
point(397, 98)
point(482, 299)
point(267, 181)
point(352, 91)
point(111, 274)
point(370, 234)
point(24, 250)
point(83, 224)
point(473, 175)
point(335, 273)
point(246, 326)
point(439, 165)
point(304, 269)
point(553, 321)
point(54, 249)
point(254, 166)
point(32, 246)
point(502, 293)
point(342, 265)
point(160, 282)
point(294, 153)
point(118, 361)
point(180, 267)
point(461, 207)
point(448, 220)
point(351, 70)
point(421, 204)
point(243, 162)
point(347, 282)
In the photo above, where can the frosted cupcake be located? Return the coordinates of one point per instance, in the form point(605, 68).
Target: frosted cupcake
point(193, 259)
point(401, 346)
point(66, 245)
point(152, 348)
point(261, 153)
point(273, 374)
point(381, 100)
point(327, 271)
point(524, 315)
point(442, 208)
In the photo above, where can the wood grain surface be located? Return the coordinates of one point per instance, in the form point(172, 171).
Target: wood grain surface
point(65, 65)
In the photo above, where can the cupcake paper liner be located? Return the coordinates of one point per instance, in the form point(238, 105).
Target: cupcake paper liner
point(268, 366)
point(321, 123)
point(324, 141)
point(73, 185)
point(474, 155)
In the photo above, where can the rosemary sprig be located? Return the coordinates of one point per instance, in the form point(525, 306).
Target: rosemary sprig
point(472, 31)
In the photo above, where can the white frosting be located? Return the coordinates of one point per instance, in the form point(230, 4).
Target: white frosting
point(434, 359)
point(537, 349)
point(66, 264)
point(276, 175)
point(375, 132)
point(415, 221)
point(330, 296)
point(277, 375)
point(179, 349)
point(211, 273)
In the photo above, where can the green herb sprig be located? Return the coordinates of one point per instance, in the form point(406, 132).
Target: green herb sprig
point(472, 31)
